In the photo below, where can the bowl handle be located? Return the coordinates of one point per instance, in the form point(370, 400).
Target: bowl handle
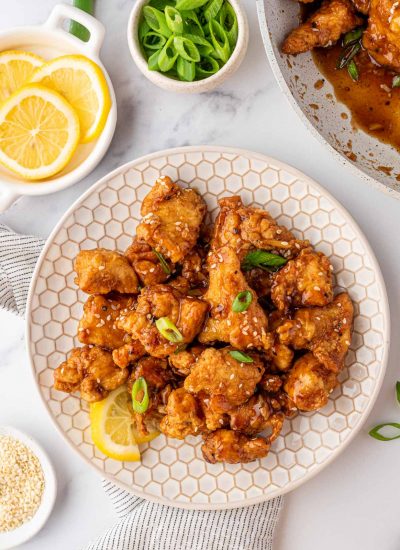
point(7, 198)
point(62, 12)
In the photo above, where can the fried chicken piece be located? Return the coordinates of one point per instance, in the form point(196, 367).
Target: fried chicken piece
point(242, 330)
point(183, 361)
point(257, 415)
point(382, 36)
point(97, 325)
point(185, 312)
point(233, 447)
point(90, 370)
point(244, 228)
point(194, 268)
point(213, 416)
point(323, 28)
point(101, 271)
point(154, 370)
point(227, 380)
point(362, 6)
point(128, 353)
point(172, 217)
point(260, 281)
point(325, 331)
point(304, 281)
point(309, 383)
point(270, 382)
point(184, 415)
point(146, 264)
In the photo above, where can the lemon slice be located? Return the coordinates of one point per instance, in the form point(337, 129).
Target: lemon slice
point(113, 426)
point(16, 69)
point(39, 132)
point(84, 86)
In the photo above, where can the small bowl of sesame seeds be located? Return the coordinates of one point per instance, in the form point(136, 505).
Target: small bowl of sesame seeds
point(28, 487)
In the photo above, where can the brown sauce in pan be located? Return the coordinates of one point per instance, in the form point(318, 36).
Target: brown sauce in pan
point(374, 105)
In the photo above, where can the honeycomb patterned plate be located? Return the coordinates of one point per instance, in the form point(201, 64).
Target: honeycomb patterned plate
point(172, 471)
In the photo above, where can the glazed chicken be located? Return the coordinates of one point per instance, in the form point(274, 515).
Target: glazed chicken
point(323, 28)
point(185, 312)
point(382, 37)
point(90, 370)
point(101, 271)
point(232, 447)
point(244, 330)
point(172, 217)
point(324, 331)
point(228, 347)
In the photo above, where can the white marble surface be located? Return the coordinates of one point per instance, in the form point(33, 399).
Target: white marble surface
point(354, 502)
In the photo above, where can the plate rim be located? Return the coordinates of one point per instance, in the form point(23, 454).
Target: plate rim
point(344, 161)
point(385, 312)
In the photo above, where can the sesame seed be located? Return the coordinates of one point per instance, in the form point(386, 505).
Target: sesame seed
point(297, 246)
point(284, 243)
point(345, 321)
point(317, 288)
point(232, 376)
point(278, 231)
point(101, 267)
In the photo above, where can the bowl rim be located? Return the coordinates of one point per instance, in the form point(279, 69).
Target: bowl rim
point(101, 145)
point(29, 529)
point(203, 85)
point(269, 49)
point(301, 175)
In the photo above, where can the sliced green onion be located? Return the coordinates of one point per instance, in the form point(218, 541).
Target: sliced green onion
point(163, 262)
point(140, 396)
point(167, 329)
point(174, 20)
point(212, 9)
point(242, 301)
point(143, 29)
point(203, 45)
point(153, 40)
point(192, 23)
point(375, 432)
point(161, 4)
point(348, 55)
point(156, 20)
point(396, 81)
point(76, 28)
point(186, 69)
point(262, 259)
point(398, 392)
point(229, 22)
point(352, 36)
point(207, 67)
point(241, 357)
point(152, 61)
point(219, 39)
point(190, 4)
point(352, 70)
point(168, 56)
point(186, 49)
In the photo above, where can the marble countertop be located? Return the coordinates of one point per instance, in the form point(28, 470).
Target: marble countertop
point(353, 503)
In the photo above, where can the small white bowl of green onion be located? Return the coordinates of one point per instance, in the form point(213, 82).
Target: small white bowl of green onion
point(188, 46)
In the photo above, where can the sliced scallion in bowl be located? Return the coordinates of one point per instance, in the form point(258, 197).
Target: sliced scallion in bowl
point(187, 39)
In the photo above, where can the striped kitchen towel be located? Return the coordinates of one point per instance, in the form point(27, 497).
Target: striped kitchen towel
point(143, 525)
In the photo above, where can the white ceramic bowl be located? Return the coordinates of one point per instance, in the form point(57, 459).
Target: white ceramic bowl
point(317, 107)
point(14, 538)
point(51, 40)
point(197, 86)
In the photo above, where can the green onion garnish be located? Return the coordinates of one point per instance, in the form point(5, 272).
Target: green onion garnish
point(76, 28)
point(186, 49)
point(212, 9)
point(352, 36)
point(352, 70)
point(348, 55)
point(140, 396)
point(375, 432)
point(186, 69)
point(167, 329)
point(262, 259)
point(156, 21)
point(242, 301)
point(228, 20)
point(163, 262)
point(190, 4)
point(174, 20)
point(241, 357)
point(168, 56)
point(396, 81)
point(398, 392)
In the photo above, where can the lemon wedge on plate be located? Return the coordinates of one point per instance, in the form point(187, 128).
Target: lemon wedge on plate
point(84, 86)
point(16, 68)
point(39, 132)
point(113, 426)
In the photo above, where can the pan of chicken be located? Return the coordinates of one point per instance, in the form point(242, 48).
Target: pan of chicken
point(233, 322)
point(338, 62)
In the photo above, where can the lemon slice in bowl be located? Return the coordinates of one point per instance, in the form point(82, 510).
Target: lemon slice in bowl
point(84, 86)
point(113, 426)
point(39, 132)
point(16, 69)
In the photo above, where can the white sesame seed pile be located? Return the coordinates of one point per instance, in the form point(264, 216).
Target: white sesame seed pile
point(21, 483)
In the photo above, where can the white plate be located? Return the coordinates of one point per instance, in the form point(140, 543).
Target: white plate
point(171, 471)
point(26, 531)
